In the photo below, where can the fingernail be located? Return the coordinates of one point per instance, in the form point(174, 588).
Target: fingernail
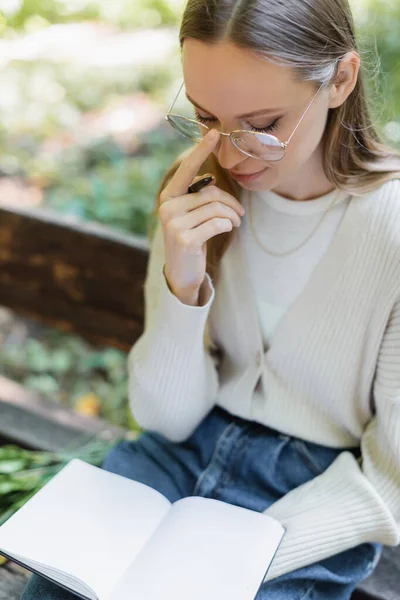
point(212, 135)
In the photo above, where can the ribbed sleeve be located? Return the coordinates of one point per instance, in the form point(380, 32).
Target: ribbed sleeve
point(173, 381)
point(349, 503)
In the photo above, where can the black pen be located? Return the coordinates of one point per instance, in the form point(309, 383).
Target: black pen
point(200, 184)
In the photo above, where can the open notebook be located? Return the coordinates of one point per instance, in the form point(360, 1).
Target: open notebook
point(106, 537)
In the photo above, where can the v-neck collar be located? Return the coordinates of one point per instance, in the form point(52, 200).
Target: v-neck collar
point(298, 317)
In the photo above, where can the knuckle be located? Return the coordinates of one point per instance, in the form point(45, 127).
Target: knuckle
point(216, 208)
point(220, 224)
point(206, 193)
point(211, 192)
point(183, 238)
point(173, 227)
point(226, 210)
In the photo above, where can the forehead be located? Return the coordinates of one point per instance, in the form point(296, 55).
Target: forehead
point(223, 77)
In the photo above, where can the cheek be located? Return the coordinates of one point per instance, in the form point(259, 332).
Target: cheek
point(303, 146)
point(310, 137)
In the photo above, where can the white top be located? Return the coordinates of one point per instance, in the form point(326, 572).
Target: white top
point(331, 373)
point(282, 225)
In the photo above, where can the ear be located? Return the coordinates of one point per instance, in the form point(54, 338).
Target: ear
point(345, 79)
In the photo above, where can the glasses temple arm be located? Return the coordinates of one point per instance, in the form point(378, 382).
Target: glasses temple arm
point(176, 97)
point(304, 114)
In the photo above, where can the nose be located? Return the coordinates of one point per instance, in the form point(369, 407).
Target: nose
point(228, 155)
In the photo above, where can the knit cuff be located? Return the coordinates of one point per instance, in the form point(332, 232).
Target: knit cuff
point(331, 513)
point(182, 323)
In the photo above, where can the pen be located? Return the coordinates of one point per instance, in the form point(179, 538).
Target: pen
point(200, 184)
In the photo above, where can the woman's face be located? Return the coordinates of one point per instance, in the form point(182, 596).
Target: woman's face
point(228, 82)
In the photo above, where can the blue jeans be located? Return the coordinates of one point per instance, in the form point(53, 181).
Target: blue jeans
point(247, 464)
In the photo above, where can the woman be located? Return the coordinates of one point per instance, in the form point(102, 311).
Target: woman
point(268, 373)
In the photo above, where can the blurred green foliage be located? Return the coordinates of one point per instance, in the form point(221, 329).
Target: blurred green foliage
point(378, 31)
point(124, 14)
point(100, 183)
point(64, 368)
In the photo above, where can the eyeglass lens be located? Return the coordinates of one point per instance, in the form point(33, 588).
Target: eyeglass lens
point(259, 145)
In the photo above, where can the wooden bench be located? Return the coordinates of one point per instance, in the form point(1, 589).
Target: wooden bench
point(88, 279)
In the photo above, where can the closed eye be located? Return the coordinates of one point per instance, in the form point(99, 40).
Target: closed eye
point(265, 129)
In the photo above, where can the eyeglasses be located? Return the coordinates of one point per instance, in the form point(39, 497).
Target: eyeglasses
point(252, 143)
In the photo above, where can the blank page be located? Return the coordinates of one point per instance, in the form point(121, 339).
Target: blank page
point(87, 522)
point(203, 549)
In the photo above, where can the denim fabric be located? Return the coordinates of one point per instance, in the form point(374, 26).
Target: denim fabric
point(244, 463)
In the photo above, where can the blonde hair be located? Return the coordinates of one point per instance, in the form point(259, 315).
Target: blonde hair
point(310, 37)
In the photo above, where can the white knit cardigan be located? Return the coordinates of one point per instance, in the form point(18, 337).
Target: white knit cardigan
point(331, 375)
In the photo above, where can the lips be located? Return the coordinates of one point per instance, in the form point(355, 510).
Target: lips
point(244, 174)
point(245, 178)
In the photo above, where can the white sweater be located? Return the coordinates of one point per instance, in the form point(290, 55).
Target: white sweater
point(330, 374)
point(282, 225)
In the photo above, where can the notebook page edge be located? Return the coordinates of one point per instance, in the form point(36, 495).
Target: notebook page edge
point(273, 556)
point(21, 562)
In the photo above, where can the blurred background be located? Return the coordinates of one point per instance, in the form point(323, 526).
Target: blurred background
point(85, 85)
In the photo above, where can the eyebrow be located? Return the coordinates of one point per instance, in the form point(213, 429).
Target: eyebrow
point(263, 111)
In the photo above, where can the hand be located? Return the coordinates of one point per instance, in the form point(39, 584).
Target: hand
point(189, 220)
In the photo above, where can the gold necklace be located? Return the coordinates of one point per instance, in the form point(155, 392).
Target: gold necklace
point(303, 243)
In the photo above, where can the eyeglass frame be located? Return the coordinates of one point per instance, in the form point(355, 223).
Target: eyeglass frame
point(283, 145)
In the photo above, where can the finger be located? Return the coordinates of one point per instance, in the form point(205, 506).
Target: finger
point(190, 166)
point(201, 234)
point(210, 194)
point(206, 213)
